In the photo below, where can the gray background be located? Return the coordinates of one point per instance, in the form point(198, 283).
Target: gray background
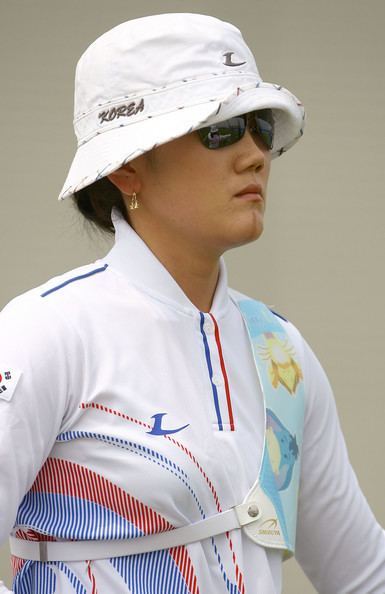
point(320, 261)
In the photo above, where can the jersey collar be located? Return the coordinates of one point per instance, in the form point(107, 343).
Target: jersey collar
point(132, 258)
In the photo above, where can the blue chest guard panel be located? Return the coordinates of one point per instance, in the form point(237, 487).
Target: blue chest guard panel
point(275, 493)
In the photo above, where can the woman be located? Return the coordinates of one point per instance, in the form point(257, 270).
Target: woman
point(183, 434)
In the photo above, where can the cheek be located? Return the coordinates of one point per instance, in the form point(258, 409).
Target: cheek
point(194, 182)
point(189, 176)
point(267, 166)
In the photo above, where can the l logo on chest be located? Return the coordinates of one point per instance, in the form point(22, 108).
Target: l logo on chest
point(157, 428)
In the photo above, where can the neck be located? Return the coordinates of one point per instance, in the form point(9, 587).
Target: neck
point(198, 280)
point(195, 271)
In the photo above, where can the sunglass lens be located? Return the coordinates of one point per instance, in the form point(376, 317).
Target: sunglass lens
point(261, 122)
point(224, 133)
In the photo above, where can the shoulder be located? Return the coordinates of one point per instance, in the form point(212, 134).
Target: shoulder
point(318, 392)
point(55, 289)
point(45, 309)
point(288, 326)
point(294, 335)
point(84, 278)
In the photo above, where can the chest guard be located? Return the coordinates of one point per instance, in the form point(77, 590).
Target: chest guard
point(274, 496)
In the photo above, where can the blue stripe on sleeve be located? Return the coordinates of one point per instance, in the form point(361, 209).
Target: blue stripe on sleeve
point(72, 280)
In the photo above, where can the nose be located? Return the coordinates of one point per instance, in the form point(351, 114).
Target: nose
point(252, 153)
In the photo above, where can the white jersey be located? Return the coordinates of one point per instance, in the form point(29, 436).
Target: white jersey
point(126, 411)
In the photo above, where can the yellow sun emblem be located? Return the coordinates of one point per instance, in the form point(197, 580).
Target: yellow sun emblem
point(283, 368)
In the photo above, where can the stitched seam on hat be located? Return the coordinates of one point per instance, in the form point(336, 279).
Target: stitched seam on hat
point(83, 139)
point(97, 132)
point(152, 92)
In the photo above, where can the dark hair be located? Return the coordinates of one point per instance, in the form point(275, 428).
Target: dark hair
point(96, 201)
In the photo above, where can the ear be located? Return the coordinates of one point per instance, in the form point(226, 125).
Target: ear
point(126, 179)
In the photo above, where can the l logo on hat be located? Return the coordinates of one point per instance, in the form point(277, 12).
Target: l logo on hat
point(228, 61)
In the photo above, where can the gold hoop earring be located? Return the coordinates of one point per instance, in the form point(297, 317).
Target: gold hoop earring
point(133, 204)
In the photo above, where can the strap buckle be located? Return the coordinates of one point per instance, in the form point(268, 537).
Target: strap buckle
point(248, 512)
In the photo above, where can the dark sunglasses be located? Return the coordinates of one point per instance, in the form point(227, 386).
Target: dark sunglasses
point(260, 124)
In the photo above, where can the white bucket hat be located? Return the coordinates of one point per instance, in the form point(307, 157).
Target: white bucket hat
point(156, 78)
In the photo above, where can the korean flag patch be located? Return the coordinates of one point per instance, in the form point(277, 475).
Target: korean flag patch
point(9, 378)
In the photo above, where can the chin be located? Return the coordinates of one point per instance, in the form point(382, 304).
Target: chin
point(241, 232)
point(250, 232)
point(242, 239)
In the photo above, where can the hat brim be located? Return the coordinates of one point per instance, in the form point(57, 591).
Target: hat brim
point(108, 151)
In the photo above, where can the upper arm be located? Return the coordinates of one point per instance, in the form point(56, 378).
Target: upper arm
point(339, 544)
point(35, 348)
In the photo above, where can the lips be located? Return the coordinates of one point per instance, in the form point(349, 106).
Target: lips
point(251, 189)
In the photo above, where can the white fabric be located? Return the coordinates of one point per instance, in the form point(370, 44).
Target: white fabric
point(127, 343)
